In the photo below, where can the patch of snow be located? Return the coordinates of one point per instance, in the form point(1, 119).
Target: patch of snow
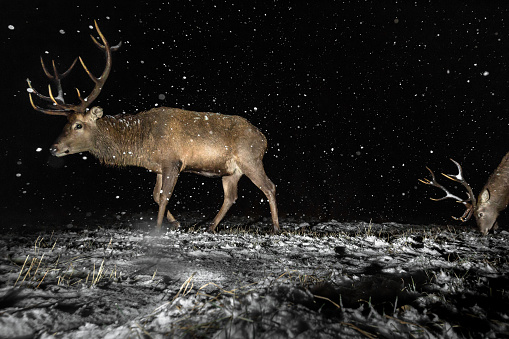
point(315, 280)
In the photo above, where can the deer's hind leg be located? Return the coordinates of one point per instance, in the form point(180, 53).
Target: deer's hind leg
point(230, 196)
point(256, 173)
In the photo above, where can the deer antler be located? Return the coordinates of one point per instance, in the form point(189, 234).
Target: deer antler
point(56, 78)
point(58, 101)
point(469, 203)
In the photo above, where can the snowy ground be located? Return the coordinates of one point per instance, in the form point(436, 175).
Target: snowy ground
point(318, 280)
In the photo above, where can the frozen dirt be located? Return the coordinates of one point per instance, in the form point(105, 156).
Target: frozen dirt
point(315, 280)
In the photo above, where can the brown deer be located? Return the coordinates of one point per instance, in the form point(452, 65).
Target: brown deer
point(164, 140)
point(492, 200)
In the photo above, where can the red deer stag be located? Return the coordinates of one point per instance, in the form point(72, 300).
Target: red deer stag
point(164, 140)
point(492, 200)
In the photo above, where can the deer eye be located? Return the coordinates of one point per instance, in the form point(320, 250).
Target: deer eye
point(78, 126)
point(481, 215)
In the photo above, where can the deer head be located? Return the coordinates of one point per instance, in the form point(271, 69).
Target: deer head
point(78, 133)
point(486, 213)
point(81, 121)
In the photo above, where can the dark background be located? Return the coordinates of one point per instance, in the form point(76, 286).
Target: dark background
point(355, 98)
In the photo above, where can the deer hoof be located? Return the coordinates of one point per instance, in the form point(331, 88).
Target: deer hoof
point(174, 225)
point(156, 231)
point(211, 229)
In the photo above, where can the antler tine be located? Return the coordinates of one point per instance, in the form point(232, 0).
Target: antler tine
point(461, 179)
point(99, 82)
point(47, 111)
point(34, 91)
point(48, 74)
point(66, 73)
point(60, 105)
point(469, 203)
point(468, 213)
point(103, 47)
point(455, 177)
point(56, 77)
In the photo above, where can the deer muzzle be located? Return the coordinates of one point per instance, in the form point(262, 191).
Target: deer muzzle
point(57, 152)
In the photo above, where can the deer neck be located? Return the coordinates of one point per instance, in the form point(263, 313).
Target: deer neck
point(119, 141)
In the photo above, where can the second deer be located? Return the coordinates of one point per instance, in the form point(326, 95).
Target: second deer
point(492, 200)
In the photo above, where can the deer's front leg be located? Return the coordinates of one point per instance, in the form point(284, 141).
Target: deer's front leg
point(157, 188)
point(164, 185)
point(157, 199)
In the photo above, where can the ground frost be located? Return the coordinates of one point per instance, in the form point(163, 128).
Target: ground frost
point(316, 280)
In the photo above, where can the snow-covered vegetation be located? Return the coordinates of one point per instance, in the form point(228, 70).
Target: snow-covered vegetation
point(315, 280)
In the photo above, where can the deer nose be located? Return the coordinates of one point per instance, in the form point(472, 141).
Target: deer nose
point(53, 150)
point(57, 151)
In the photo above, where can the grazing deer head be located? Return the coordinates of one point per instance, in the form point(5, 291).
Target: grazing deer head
point(493, 198)
point(164, 140)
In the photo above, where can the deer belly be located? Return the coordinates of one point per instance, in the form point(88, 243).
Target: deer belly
point(214, 169)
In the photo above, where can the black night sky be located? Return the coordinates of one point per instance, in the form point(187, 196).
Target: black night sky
point(355, 98)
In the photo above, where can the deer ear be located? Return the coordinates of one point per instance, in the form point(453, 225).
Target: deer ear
point(96, 113)
point(485, 196)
